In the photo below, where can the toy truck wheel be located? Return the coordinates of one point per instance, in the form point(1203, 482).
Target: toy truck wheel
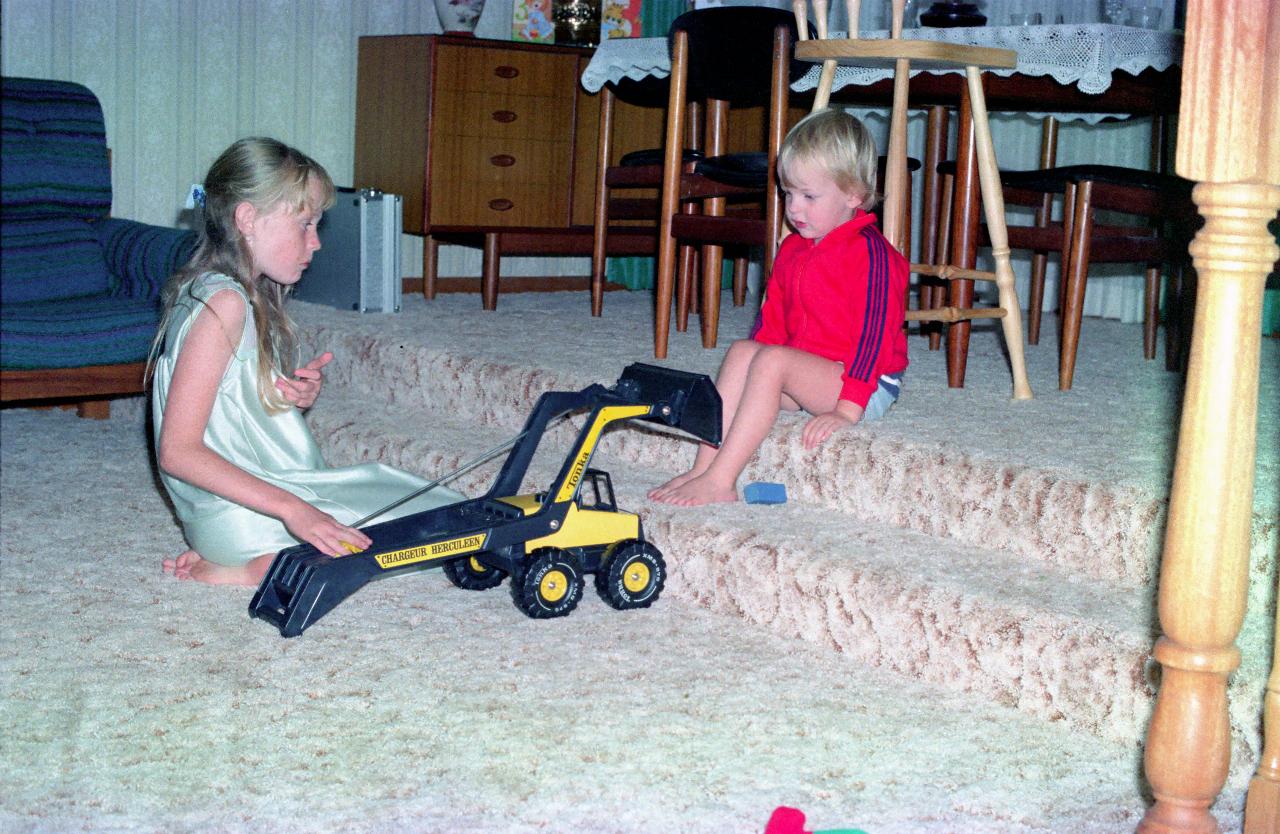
point(632, 575)
point(551, 584)
point(470, 574)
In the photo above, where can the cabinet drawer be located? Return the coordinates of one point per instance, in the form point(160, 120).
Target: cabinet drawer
point(494, 184)
point(504, 71)
point(501, 116)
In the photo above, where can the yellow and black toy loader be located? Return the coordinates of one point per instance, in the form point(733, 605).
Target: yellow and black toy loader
point(546, 541)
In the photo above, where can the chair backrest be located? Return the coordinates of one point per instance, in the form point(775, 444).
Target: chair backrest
point(53, 151)
point(730, 52)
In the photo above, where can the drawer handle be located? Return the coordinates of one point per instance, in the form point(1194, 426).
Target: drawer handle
point(503, 160)
point(504, 116)
point(505, 71)
point(501, 204)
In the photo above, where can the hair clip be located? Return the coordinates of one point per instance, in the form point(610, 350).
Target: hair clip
point(196, 197)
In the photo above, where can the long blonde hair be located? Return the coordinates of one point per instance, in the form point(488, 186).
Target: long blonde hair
point(265, 173)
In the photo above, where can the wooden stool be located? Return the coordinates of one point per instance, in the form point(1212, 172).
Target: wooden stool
point(901, 54)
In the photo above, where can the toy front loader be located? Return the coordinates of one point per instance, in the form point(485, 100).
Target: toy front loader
point(545, 542)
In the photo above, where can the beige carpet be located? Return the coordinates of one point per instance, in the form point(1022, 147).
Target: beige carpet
point(931, 635)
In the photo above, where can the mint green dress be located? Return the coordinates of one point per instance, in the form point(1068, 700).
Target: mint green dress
point(279, 449)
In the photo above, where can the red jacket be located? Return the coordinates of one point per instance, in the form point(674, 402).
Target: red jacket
point(844, 299)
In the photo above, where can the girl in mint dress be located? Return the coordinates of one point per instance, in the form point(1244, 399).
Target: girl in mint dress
point(241, 466)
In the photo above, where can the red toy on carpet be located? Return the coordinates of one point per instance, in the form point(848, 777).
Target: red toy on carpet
point(791, 821)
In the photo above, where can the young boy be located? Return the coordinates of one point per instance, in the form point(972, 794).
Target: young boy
point(829, 338)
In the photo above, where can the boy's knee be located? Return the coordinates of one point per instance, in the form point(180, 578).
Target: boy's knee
point(770, 356)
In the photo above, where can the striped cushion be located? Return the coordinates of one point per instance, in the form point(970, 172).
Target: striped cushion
point(141, 257)
point(53, 151)
point(49, 259)
point(96, 330)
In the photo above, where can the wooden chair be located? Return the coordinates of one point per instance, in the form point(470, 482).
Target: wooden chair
point(627, 191)
point(723, 56)
point(902, 55)
point(1169, 220)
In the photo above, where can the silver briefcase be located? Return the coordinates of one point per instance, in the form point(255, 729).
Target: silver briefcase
point(358, 264)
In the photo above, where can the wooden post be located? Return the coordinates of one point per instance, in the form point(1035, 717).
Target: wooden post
point(1228, 140)
point(1262, 811)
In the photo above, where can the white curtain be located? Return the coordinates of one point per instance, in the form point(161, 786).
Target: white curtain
point(179, 80)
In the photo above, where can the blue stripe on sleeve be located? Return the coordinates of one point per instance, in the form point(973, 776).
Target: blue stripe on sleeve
point(872, 336)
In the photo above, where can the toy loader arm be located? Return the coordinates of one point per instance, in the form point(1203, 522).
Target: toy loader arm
point(666, 396)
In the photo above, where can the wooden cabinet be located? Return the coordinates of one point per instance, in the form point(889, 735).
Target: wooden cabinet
point(488, 142)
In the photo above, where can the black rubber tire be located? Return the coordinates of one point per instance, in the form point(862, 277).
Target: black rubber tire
point(632, 575)
point(549, 585)
point(470, 574)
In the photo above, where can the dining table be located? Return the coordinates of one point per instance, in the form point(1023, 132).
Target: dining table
point(1087, 72)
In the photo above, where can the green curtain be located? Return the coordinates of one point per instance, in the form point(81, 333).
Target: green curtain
point(637, 273)
point(656, 16)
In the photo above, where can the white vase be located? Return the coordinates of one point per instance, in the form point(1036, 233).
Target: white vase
point(459, 15)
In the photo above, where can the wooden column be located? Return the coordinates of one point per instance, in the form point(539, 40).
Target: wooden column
point(1262, 811)
point(1229, 140)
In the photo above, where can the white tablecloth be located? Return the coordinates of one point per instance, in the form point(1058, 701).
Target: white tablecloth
point(1086, 55)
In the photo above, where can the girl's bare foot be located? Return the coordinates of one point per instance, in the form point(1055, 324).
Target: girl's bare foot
point(191, 565)
point(699, 490)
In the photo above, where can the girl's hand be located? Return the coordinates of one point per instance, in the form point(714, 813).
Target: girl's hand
point(323, 531)
point(821, 426)
point(303, 389)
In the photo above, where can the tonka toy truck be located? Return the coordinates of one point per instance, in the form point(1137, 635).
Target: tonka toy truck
point(545, 541)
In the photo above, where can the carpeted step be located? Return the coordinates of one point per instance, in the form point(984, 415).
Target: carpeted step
point(1109, 530)
point(982, 621)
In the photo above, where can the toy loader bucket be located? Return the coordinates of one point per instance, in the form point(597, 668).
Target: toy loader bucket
point(689, 402)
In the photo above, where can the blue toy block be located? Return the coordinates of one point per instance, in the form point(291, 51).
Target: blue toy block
point(763, 492)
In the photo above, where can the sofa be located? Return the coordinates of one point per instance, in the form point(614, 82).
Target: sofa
point(79, 299)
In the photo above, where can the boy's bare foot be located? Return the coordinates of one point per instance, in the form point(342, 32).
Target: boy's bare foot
point(193, 566)
point(659, 492)
point(697, 491)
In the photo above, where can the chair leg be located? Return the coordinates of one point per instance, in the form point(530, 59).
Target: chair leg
point(1044, 216)
point(685, 296)
point(993, 207)
point(430, 266)
point(669, 202)
point(1068, 231)
point(937, 295)
point(489, 272)
point(964, 243)
point(1180, 317)
point(1035, 297)
point(1039, 262)
point(1151, 315)
point(931, 214)
point(1074, 287)
point(94, 409)
point(712, 268)
point(739, 281)
point(600, 219)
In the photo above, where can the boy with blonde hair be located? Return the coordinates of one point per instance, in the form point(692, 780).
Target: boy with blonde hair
point(829, 338)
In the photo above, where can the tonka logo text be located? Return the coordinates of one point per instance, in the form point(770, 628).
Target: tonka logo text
point(449, 547)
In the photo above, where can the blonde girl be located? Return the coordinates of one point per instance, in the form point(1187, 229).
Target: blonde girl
point(244, 473)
